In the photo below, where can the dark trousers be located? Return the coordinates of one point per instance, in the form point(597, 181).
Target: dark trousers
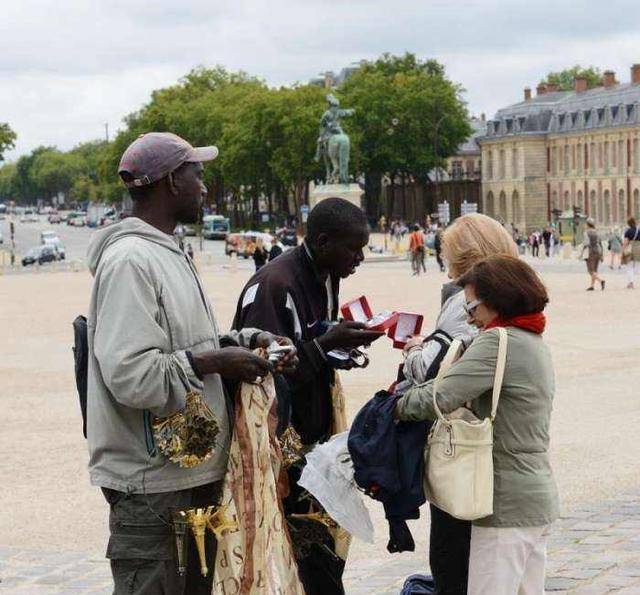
point(449, 546)
point(142, 546)
point(439, 260)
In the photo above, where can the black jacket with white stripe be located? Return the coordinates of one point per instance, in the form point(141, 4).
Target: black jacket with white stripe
point(289, 297)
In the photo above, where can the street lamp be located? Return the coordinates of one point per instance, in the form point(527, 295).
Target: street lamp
point(436, 128)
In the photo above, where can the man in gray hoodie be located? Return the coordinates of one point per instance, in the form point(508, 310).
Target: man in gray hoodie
point(153, 339)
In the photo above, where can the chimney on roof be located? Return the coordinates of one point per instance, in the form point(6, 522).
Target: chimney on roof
point(552, 87)
point(541, 89)
point(580, 84)
point(635, 74)
point(609, 79)
point(527, 93)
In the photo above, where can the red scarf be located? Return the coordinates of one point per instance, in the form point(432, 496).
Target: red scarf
point(534, 323)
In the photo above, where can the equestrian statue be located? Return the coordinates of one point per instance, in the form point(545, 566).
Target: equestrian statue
point(333, 144)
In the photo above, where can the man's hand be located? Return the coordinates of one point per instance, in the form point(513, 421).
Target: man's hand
point(348, 335)
point(289, 361)
point(234, 363)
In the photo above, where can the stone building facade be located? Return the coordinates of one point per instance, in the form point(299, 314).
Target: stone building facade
point(562, 149)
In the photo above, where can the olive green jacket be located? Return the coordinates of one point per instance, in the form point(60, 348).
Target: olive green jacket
point(525, 492)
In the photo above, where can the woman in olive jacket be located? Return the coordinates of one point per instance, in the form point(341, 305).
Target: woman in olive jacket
point(508, 548)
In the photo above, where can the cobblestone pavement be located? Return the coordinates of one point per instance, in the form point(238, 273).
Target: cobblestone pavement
point(592, 551)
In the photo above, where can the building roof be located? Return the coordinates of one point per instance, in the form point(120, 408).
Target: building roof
point(569, 111)
point(471, 146)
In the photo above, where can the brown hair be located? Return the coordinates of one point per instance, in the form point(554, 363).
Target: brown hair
point(472, 238)
point(631, 222)
point(507, 285)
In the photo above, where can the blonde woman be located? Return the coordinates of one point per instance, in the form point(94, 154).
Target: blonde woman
point(469, 240)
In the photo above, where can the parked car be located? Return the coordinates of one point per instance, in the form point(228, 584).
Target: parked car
point(40, 255)
point(244, 243)
point(189, 230)
point(78, 220)
point(29, 216)
point(54, 217)
point(49, 237)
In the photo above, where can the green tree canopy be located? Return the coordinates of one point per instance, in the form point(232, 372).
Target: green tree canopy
point(408, 118)
point(564, 78)
point(7, 139)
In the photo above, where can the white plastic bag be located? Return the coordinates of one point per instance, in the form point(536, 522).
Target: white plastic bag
point(328, 477)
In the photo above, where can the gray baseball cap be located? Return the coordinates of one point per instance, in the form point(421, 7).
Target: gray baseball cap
point(154, 155)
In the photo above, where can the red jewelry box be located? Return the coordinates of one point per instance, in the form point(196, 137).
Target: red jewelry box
point(360, 311)
point(406, 325)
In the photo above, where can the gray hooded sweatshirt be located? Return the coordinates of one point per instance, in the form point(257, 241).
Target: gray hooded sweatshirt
point(147, 309)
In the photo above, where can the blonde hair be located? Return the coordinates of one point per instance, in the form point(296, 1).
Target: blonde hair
point(472, 238)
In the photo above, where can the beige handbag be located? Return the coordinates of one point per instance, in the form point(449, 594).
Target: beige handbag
point(459, 453)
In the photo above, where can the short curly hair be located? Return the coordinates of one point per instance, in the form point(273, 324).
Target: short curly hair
point(507, 285)
point(474, 237)
point(335, 216)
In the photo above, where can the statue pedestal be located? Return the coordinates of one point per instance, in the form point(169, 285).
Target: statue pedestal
point(351, 192)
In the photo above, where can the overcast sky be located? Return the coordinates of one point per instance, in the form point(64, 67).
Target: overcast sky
point(69, 66)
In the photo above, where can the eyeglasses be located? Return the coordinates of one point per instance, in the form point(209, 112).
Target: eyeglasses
point(470, 307)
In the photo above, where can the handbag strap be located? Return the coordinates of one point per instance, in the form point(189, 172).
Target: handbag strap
point(447, 360)
point(500, 366)
point(498, 377)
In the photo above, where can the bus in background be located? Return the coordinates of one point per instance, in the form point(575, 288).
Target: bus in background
point(215, 227)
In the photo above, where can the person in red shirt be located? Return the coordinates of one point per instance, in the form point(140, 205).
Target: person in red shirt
point(416, 247)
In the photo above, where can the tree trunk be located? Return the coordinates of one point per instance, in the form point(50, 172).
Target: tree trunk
point(372, 191)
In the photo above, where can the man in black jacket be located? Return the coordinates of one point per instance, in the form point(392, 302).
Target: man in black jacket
point(296, 295)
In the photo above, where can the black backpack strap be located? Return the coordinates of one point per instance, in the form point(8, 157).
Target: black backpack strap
point(81, 361)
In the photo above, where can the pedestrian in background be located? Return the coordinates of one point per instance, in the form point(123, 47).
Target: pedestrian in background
point(631, 251)
point(437, 246)
point(546, 239)
point(615, 248)
point(416, 248)
point(260, 254)
point(594, 254)
point(190, 250)
point(534, 242)
point(275, 250)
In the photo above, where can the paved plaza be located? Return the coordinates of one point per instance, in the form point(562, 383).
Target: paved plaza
point(53, 526)
point(592, 551)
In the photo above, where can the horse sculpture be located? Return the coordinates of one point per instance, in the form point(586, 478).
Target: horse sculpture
point(336, 159)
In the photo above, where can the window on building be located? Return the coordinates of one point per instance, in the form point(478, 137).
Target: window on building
point(573, 157)
point(614, 154)
point(502, 165)
point(607, 207)
point(636, 156)
point(469, 168)
point(514, 163)
point(622, 207)
point(490, 165)
point(592, 158)
point(622, 157)
point(600, 160)
point(580, 157)
point(605, 163)
point(456, 170)
point(566, 159)
point(554, 161)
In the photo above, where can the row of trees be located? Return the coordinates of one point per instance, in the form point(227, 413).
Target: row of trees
point(408, 117)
